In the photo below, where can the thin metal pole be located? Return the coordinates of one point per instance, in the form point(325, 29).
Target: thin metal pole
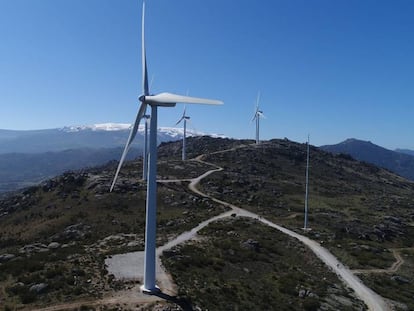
point(305, 226)
point(185, 129)
point(151, 221)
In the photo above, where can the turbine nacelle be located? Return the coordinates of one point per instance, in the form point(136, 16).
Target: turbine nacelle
point(184, 117)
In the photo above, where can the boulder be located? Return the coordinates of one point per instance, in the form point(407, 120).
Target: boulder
point(400, 279)
point(251, 244)
point(6, 257)
point(53, 245)
point(38, 288)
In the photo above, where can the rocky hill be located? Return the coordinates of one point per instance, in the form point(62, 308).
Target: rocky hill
point(54, 237)
point(400, 161)
point(19, 170)
point(31, 156)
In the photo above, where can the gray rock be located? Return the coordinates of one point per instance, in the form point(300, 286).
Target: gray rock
point(134, 244)
point(53, 245)
point(38, 288)
point(33, 248)
point(6, 257)
point(302, 293)
point(400, 279)
point(251, 244)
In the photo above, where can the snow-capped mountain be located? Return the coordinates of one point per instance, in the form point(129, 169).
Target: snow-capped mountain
point(174, 132)
point(98, 127)
point(27, 157)
point(104, 135)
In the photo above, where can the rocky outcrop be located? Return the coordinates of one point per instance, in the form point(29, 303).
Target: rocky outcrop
point(72, 232)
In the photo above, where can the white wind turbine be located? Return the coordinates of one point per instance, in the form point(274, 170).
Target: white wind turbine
point(256, 117)
point(184, 118)
point(305, 224)
point(154, 101)
point(145, 151)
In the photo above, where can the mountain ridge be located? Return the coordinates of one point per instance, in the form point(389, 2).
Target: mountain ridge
point(67, 225)
point(105, 135)
point(30, 156)
point(397, 162)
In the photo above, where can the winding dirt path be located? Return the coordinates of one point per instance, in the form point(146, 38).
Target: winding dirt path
point(132, 297)
point(371, 299)
point(399, 261)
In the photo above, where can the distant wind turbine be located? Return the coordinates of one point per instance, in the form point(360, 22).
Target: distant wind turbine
point(305, 225)
point(154, 101)
point(184, 118)
point(256, 117)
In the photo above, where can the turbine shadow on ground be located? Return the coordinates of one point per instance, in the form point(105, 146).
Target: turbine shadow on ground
point(180, 301)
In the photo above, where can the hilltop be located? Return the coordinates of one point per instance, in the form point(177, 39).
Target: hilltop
point(398, 161)
point(59, 233)
point(31, 156)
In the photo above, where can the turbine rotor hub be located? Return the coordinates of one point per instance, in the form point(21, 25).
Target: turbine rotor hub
point(151, 102)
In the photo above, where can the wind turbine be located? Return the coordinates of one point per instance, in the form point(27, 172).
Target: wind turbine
point(154, 101)
point(305, 225)
point(183, 118)
point(146, 117)
point(256, 117)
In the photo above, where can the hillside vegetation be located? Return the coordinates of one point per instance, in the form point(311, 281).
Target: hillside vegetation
point(58, 233)
point(357, 210)
point(398, 161)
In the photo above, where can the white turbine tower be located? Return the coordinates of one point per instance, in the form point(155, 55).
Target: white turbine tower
point(256, 117)
point(154, 101)
point(305, 225)
point(184, 118)
point(145, 152)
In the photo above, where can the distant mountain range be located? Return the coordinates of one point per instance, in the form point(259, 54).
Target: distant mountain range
point(400, 161)
point(406, 151)
point(107, 135)
point(28, 157)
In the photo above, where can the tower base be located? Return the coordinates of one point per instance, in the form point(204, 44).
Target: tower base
point(150, 291)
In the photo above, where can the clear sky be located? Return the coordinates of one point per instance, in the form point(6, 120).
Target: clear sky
point(332, 68)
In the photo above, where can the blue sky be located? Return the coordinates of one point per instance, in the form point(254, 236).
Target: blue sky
point(332, 68)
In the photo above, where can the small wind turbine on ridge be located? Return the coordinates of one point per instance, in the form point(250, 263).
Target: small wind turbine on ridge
point(305, 224)
point(154, 101)
point(256, 117)
point(184, 118)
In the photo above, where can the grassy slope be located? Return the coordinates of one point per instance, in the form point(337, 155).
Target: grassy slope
point(240, 264)
point(41, 214)
point(357, 210)
point(347, 200)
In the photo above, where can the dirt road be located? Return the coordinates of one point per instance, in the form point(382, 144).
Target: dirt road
point(130, 265)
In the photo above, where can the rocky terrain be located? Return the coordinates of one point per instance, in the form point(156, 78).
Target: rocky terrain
point(54, 237)
point(399, 161)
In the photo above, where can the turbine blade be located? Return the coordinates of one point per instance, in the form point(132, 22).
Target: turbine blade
point(131, 137)
point(257, 101)
point(254, 117)
point(145, 89)
point(182, 118)
point(168, 98)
